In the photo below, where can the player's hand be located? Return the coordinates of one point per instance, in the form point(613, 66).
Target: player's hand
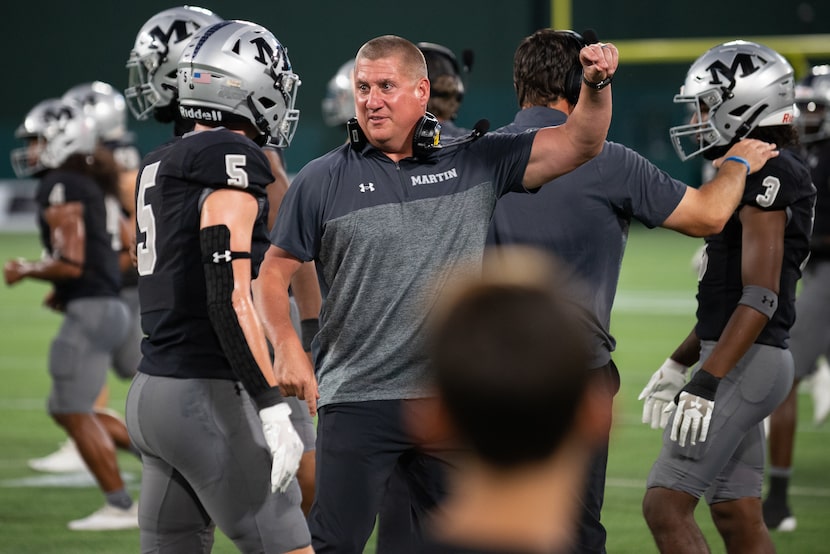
point(52, 302)
point(284, 443)
point(660, 392)
point(13, 270)
point(599, 61)
point(754, 151)
point(695, 405)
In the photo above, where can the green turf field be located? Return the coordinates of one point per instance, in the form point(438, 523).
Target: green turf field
point(654, 311)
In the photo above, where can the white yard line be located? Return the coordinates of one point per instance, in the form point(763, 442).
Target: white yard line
point(654, 302)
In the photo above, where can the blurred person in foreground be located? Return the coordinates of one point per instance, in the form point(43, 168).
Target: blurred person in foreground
point(713, 443)
point(509, 358)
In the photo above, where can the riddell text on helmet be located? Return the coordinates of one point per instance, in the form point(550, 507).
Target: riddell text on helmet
point(200, 114)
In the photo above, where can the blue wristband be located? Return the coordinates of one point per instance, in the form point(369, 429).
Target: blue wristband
point(740, 160)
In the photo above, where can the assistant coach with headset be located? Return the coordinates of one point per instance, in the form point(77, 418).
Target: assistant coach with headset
point(584, 218)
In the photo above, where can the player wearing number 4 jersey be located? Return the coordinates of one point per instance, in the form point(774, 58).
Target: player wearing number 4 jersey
point(202, 231)
point(78, 217)
point(713, 444)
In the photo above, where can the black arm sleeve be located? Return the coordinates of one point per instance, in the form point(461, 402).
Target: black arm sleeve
point(216, 259)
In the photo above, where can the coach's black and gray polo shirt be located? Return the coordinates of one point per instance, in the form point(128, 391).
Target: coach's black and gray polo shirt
point(382, 235)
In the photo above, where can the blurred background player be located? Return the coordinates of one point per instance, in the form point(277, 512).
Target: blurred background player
point(529, 436)
point(79, 219)
point(446, 88)
point(228, 459)
point(713, 444)
point(338, 103)
point(153, 91)
point(107, 109)
point(810, 335)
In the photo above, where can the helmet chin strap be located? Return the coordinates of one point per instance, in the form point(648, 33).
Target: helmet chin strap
point(259, 119)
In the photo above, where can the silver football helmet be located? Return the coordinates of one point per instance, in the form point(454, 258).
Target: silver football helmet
point(338, 104)
point(53, 131)
point(730, 90)
point(238, 68)
point(105, 105)
point(812, 105)
point(158, 46)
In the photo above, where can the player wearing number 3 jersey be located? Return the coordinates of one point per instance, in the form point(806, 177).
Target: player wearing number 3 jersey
point(713, 445)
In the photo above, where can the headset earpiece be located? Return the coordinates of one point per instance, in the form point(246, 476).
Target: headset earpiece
point(427, 135)
point(573, 82)
point(425, 140)
point(356, 137)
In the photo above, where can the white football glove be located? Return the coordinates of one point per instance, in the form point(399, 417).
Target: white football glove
point(693, 416)
point(284, 443)
point(694, 408)
point(660, 391)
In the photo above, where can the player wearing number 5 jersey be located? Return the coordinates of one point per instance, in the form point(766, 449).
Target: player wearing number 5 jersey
point(201, 210)
point(713, 444)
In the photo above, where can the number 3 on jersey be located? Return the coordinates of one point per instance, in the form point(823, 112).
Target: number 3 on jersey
point(772, 186)
point(146, 220)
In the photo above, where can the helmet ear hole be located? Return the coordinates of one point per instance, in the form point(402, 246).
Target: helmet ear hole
point(267, 103)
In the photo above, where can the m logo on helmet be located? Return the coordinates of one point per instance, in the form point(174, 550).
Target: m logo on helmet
point(742, 61)
point(177, 28)
point(264, 53)
point(61, 113)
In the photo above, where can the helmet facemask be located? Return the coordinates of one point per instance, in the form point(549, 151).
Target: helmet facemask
point(141, 93)
point(53, 131)
point(700, 135)
point(152, 62)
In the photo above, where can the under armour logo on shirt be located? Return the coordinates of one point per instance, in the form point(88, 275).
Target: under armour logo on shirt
point(367, 188)
point(768, 301)
point(225, 257)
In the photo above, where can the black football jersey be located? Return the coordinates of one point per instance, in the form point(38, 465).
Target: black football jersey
point(173, 181)
point(101, 276)
point(784, 183)
point(126, 154)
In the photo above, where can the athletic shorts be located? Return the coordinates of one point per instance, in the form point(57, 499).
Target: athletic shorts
point(205, 462)
point(80, 354)
point(810, 334)
point(730, 463)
